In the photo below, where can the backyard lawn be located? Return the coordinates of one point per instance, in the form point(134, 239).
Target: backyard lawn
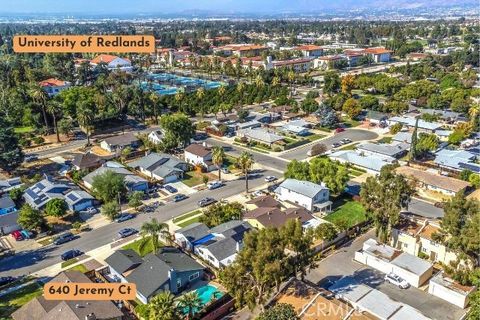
point(142, 251)
point(349, 213)
point(14, 300)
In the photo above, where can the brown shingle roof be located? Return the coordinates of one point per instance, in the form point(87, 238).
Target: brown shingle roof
point(87, 160)
point(274, 217)
point(432, 179)
point(198, 149)
point(264, 201)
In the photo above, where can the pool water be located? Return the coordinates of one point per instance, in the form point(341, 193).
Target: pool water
point(168, 83)
point(207, 293)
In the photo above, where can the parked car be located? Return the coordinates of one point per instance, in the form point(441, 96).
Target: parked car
point(6, 280)
point(31, 158)
point(124, 217)
point(179, 197)
point(397, 280)
point(225, 170)
point(214, 185)
point(270, 178)
point(17, 235)
point(346, 140)
point(126, 232)
point(338, 130)
point(336, 145)
point(66, 237)
point(90, 210)
point(258, 193)
point(26, 234)
point(206, 201)
point(170, 189)
point(70, 254)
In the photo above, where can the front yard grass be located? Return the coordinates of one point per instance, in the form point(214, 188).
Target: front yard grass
point(184, 223)
point(136, 246)
point(193, 178)
point(186, 215)
point(352, 146)
point(14, 300)
point(69, 262)
point(385, 140)
point(349, 213)
point(80, 267)
point(351, 123)
point(314, 137)
point(26, 129)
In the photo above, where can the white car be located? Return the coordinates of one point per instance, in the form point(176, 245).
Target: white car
point(214, 185)
point(258, 193)
point(270, 178)
point(396, 280)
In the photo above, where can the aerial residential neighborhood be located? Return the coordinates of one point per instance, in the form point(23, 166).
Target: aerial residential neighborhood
point(269, 160)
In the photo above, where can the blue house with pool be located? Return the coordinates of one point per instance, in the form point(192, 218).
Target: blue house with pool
point(168, 270)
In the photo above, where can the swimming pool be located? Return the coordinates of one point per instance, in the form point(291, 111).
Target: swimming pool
point(207, 293)
point(168, 83)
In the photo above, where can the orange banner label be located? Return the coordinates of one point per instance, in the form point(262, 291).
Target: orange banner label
point(89, 291)
point(84, 43)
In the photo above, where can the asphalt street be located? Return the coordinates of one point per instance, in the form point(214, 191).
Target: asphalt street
point(27, 262)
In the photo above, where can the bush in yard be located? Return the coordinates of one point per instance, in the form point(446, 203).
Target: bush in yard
point(56, 208)
point(38, 140)
point(30, 218)
point(396, 128)
point(77, 225)
point(135, 199)
point(110, 209)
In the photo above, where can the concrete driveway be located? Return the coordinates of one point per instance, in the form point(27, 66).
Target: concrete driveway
point(352, 134)
point(341, 264)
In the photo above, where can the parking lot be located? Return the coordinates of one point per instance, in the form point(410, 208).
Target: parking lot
point(341, 263)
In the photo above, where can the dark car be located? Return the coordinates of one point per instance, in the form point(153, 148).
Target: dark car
point(5, 280)
point(70, 254)
point(170, 189)
point(179, 197)
point(336, 145)
point(206, 201)
point(124, 217)
point(126, 232)
point(31, 158)
point(338, 130)
point(66, 237)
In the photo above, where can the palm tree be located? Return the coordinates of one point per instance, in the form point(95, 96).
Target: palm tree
point(191, 302)
point(40, 97)
point(162, 306)
point(218, 156)
point(259, 81)
point(85, 116)
point(245, 163)
point(473, 112)
point(54, 107)
point(275, 81)
point(150, 232)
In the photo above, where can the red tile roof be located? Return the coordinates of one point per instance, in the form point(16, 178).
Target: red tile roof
point(378, 50)
point(52, 82)
point(107, 58)
point(308, 47)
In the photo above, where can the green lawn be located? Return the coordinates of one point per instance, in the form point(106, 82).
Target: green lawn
point(314, 137)
point(385, 140)
point(146, 249)
point(193, 178)
point(80, 267)
point(69, 262)
point(350, 146)
point(350, 123)
point(351, 212)
point(184, 223)
point(23, 129)
point(14, 300)
point(186, 215)
point(354, 172)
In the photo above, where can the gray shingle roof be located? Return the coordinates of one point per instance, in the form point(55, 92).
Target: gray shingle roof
point(306, 188)
point(122, 140)
point(260, 135)
point(123, 260)
point(391, 149)
point(129, 176)
point(6, 202)
point(194, 231)
point(222, 248)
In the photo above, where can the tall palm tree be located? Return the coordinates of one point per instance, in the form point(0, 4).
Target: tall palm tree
point(259, 81)
point(218, 157)
point(191, 302)
point(163, 307)
point(474, 112)
point(40, 97)
point(245, 163)
point(150, 232)
point(85, 116)
point(54, 108)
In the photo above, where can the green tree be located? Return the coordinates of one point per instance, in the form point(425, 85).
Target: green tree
point(11, 155)
point(110, 210)
point(163, 306)
point(309, 105)
point(108, 186)
point(369, 102)
point(218, 157)
point(245, 163)
point(383, 198)
point(332, 173)
point(222, 212)
point(280, 311)
point(190, 302)
point(394, 129)
point(326, 232)
point(427, 142)
point(178, 126)
point(53, 107)
point(150, 232)
point(414, 141)
point(352, 108)
point(56, 208)
point(456, 137)
point(332, 82)
point(299, 170)
point(135, 200)
point(30, 218)
point(65, 126)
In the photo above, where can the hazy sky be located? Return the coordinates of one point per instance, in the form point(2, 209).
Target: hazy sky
point(169, 6)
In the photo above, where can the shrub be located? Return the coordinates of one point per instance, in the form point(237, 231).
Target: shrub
point(38, 140)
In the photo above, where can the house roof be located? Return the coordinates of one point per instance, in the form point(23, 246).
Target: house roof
point(264, 201)
point(221, 248)
point(370, 162)
point(123, 260)
point(294, 128)
point(280, 63)
point(8, 219)
point(260, 135)
point(41, 309)
point(442, 279)
point(403, 137)
point(75, 196)
point(194, 231)
point(87, 160)
point(153, 272)
point(378, 50)
point(412, 263)
point(277, 218)
point(107, 58)
point(306, 188)
point(198, 150)
point(432, 179)
point(9, 183)
point(53, 82)
point(122, 140)
point(390, 149)
point(6, 202)
point(260, 211)
point(309, 47)
point(160, 164)
point(41, 192)
point(422, 124)
point(129, 176)
point(376, 115)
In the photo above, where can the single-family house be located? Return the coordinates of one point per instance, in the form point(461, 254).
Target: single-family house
point(376, 117)
point(132, 181)
point(393, 150)
point(8, 223)
point(446, 288)
point(273, 217)
point(41, 309)
point(112, 62)
point(121, 262)
point(87, 161)
point(298, 130)
point(416, 238)
point(54, 86)
point(403, 136)
point(39, 194)
point(10, 184)
point(187, 236)
point(261, 136)
point(309, 195)
point(199, 155)
point(168, 270)
point(161, 167)
point(6, 205)
point(371, 163)
point(328, 62)
point(379, 54)
point(457, 160)
point(263, 201)
point(248, 125)
point(409, 122)
point(155, 136)
point(386, 259)
point(426, 180)
point(118, 143)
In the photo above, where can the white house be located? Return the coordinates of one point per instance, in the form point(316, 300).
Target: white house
point(310, 50)
point(54, 86)
point(118, 143)
point(199, 155)
point(304, 193)
point(155, 136)
point(112, 62)
point(379, 54)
